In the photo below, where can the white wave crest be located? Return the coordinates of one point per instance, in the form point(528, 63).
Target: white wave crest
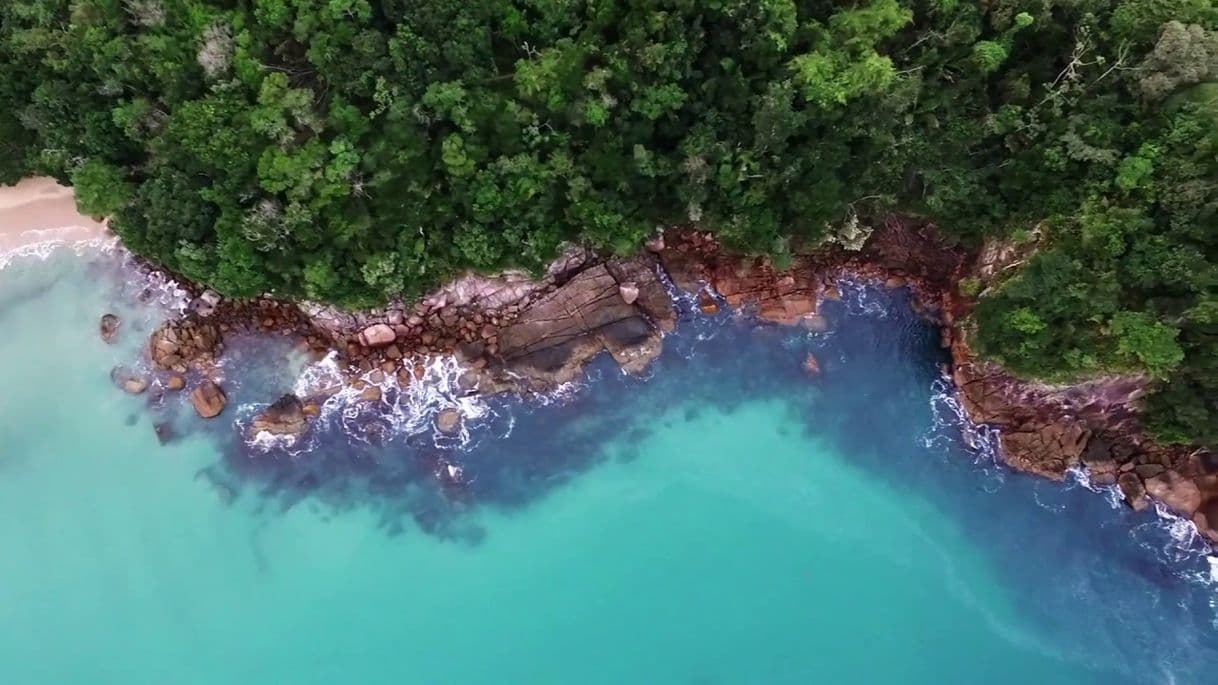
point(43, 249)
point(861, 297)
point(950, 421)
point(401, 409)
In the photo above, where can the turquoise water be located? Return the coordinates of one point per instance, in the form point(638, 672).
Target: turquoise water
point(725, 520)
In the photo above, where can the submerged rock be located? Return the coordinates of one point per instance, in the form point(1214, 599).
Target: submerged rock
point(372, 393)
point(164, 432)
point(1046, 449)
point(182, 343)
point(811, 365)
point(208, 399)
point(175, 382)
point(131, 382)
point(448, 421)
point(108, 327)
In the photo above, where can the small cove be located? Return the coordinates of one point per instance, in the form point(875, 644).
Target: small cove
point(724, 519)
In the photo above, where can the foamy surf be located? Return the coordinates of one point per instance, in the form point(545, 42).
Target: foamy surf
point(38, 216)
point(51, 241)
point(402, 409)
point(861, 297)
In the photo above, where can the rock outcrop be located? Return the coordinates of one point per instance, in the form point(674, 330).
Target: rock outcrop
point(551, 340)
point(186, 343)
point(286, 416)
point(778, 296)
point(1048, 430)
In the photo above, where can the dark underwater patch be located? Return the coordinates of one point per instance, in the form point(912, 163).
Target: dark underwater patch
point(718, 364)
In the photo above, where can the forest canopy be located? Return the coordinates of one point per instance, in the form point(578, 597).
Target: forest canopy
point(354, 150)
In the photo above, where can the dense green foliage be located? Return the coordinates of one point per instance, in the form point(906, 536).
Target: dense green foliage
point(348, 150)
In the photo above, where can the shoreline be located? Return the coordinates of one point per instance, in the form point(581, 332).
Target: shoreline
point(514, 334)
point(528, 337)
point(38, 211)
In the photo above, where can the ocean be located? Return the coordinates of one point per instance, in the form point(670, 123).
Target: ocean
point(726, 518)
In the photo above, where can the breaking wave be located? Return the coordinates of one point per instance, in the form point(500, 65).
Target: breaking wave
point(1171, 539)
point(43, 248)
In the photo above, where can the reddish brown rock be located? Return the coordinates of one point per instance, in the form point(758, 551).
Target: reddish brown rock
point(208, 399)
point(644, 289)
point(131, 382)
point(1206, 518)
point(183, 343)
point(377, 335)
point(553, 338)
point(1133, 491)
point(811, 365)
point(814, 323)
point(1180, 494)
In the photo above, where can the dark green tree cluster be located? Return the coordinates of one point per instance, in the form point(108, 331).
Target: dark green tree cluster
point(350, 150)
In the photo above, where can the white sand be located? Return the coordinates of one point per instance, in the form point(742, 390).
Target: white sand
point(40, 211)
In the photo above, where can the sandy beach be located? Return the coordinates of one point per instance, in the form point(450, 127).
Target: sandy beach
point(39, 210)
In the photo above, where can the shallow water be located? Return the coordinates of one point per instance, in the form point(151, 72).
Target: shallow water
point(727, 519)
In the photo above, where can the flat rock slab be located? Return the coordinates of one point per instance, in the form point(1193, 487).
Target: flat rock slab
point(555, 336)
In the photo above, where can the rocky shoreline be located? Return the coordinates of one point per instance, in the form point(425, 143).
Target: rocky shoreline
point(516, 333)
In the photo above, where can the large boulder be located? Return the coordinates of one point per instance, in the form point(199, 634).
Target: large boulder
point(553, 338)
point(377, 335)
point(1180, 494)
point(285, 417)
point(208, 399)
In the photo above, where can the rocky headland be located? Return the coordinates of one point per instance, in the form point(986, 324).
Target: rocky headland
point(529, 334)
